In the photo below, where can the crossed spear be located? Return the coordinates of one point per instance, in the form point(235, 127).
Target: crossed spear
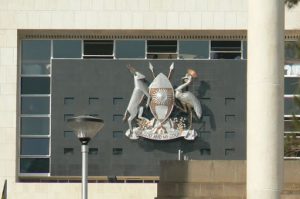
point(170, 71)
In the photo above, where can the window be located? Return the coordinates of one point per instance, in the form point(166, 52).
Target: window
point(292, 69)
point(35, 105)
point(67, 49)
point(130, 49)
point(290, 107)
point(291, 85)
point(225, 49)
point(99, 49)
point(34, 126)
point(36, 57)
point(292, 50)
point(289, 125)
point(34, 146)
point(34, 165)
point(162, 49)
point(35, 85)
point(193, 49)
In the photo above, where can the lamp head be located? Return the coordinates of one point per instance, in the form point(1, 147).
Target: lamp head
point(85, 127)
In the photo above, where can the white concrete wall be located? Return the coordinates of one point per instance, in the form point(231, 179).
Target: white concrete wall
point(96, 14)
point(73, 190)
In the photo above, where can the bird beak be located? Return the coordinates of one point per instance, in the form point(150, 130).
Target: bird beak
point(185, 77)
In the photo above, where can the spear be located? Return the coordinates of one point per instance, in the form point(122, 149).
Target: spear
point(170, 71)
point(151, 68)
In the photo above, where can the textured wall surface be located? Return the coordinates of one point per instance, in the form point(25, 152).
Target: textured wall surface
point(221, 128)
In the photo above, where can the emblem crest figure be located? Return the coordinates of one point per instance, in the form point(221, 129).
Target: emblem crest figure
point(161, 101)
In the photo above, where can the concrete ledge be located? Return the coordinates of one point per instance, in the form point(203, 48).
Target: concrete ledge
point(201, 189)
point(203, 171)
point(218, 179)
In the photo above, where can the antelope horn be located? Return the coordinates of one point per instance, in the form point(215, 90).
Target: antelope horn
point(131, 69)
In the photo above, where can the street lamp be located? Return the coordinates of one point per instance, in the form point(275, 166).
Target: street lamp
point(85, 127)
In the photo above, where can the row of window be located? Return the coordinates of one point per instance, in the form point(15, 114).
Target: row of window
point(291, 85)
point(35, 110)
point(291, 88)
point(36, 54)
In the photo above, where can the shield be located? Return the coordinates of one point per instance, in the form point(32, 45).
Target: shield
point(162, 97)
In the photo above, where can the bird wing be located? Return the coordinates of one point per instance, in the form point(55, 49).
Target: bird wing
point(192, 100)
point(197, 108)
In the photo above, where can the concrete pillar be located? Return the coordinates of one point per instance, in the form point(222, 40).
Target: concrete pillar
point(265, 99)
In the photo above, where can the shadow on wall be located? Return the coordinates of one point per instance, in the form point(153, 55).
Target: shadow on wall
point(206, 112)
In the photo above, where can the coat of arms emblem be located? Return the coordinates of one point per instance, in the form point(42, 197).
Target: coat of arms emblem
point(161, 97)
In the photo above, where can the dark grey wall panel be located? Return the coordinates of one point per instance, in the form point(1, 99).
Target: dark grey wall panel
point(103, 88)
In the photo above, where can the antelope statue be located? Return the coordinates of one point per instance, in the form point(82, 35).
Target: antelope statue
point(138, 93)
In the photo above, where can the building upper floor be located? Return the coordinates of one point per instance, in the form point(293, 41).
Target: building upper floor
point(130, 14)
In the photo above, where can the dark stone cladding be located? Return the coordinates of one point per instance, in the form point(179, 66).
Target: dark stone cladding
point(102, 88)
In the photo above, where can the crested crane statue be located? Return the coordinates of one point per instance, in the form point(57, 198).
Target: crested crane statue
point(187, 98)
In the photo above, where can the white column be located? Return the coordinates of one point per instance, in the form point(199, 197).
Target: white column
point(265, 99)
point(84, 180)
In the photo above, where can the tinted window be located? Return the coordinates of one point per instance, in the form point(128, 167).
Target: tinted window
point(34, 125)
point(36, 56)
point(130, 49)
point(289, 125)
point(225, 45)
point(160, 46)
point(292, 50)
point(35, 85)
point(34, 165)
point(34, 146)
point(291, 84)
point(290, 107)
point(98, 47)
point(221, 55)
point(35, 105)
point(193, 49)
point(67, 48)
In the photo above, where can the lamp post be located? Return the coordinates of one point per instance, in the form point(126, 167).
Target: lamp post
point(85, 127)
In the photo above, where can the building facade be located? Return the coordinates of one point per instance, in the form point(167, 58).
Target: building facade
point(59, 59)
